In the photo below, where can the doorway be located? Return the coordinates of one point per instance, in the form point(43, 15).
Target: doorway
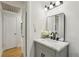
point(12, 38)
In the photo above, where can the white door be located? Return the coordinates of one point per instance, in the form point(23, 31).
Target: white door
point(9, 30)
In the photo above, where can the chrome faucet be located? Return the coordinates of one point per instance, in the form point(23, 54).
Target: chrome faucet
point(54, 35)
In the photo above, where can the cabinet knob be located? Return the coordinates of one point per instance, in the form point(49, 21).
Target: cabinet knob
point(42, 55)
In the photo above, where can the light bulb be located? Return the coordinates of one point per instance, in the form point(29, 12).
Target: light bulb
point(51, 6)
point(46, 8)
point(57, 3)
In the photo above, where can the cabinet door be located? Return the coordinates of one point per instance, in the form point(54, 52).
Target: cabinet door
point(38, 50)
point(50, 52)
point(43, 51)
point(62, 53)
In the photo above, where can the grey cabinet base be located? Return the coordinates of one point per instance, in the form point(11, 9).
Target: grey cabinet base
point(44, 51)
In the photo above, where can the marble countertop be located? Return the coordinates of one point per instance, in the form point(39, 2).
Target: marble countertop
point(56, 45)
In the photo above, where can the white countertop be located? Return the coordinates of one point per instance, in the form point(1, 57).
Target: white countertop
point(56, 45)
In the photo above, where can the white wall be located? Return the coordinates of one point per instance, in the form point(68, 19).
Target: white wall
point(36, 18)
point(71, 11)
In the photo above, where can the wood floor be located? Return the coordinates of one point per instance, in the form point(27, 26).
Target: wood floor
point(13, 52)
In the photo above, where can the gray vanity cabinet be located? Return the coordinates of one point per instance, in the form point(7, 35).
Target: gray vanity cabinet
point(43, 51)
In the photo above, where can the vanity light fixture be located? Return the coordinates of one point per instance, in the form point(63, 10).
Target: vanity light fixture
point(51, 5)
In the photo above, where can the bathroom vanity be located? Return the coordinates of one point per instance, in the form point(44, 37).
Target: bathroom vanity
point(52, 44)
point(50, 48)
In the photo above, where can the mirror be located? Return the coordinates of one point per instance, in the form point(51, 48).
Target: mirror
point(56, 23)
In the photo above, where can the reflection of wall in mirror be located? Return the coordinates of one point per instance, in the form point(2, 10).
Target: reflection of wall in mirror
point(51, 23)
point(61, 25)
point(56, 23)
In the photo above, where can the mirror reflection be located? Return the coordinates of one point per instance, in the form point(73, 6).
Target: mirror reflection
point(56, 25)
